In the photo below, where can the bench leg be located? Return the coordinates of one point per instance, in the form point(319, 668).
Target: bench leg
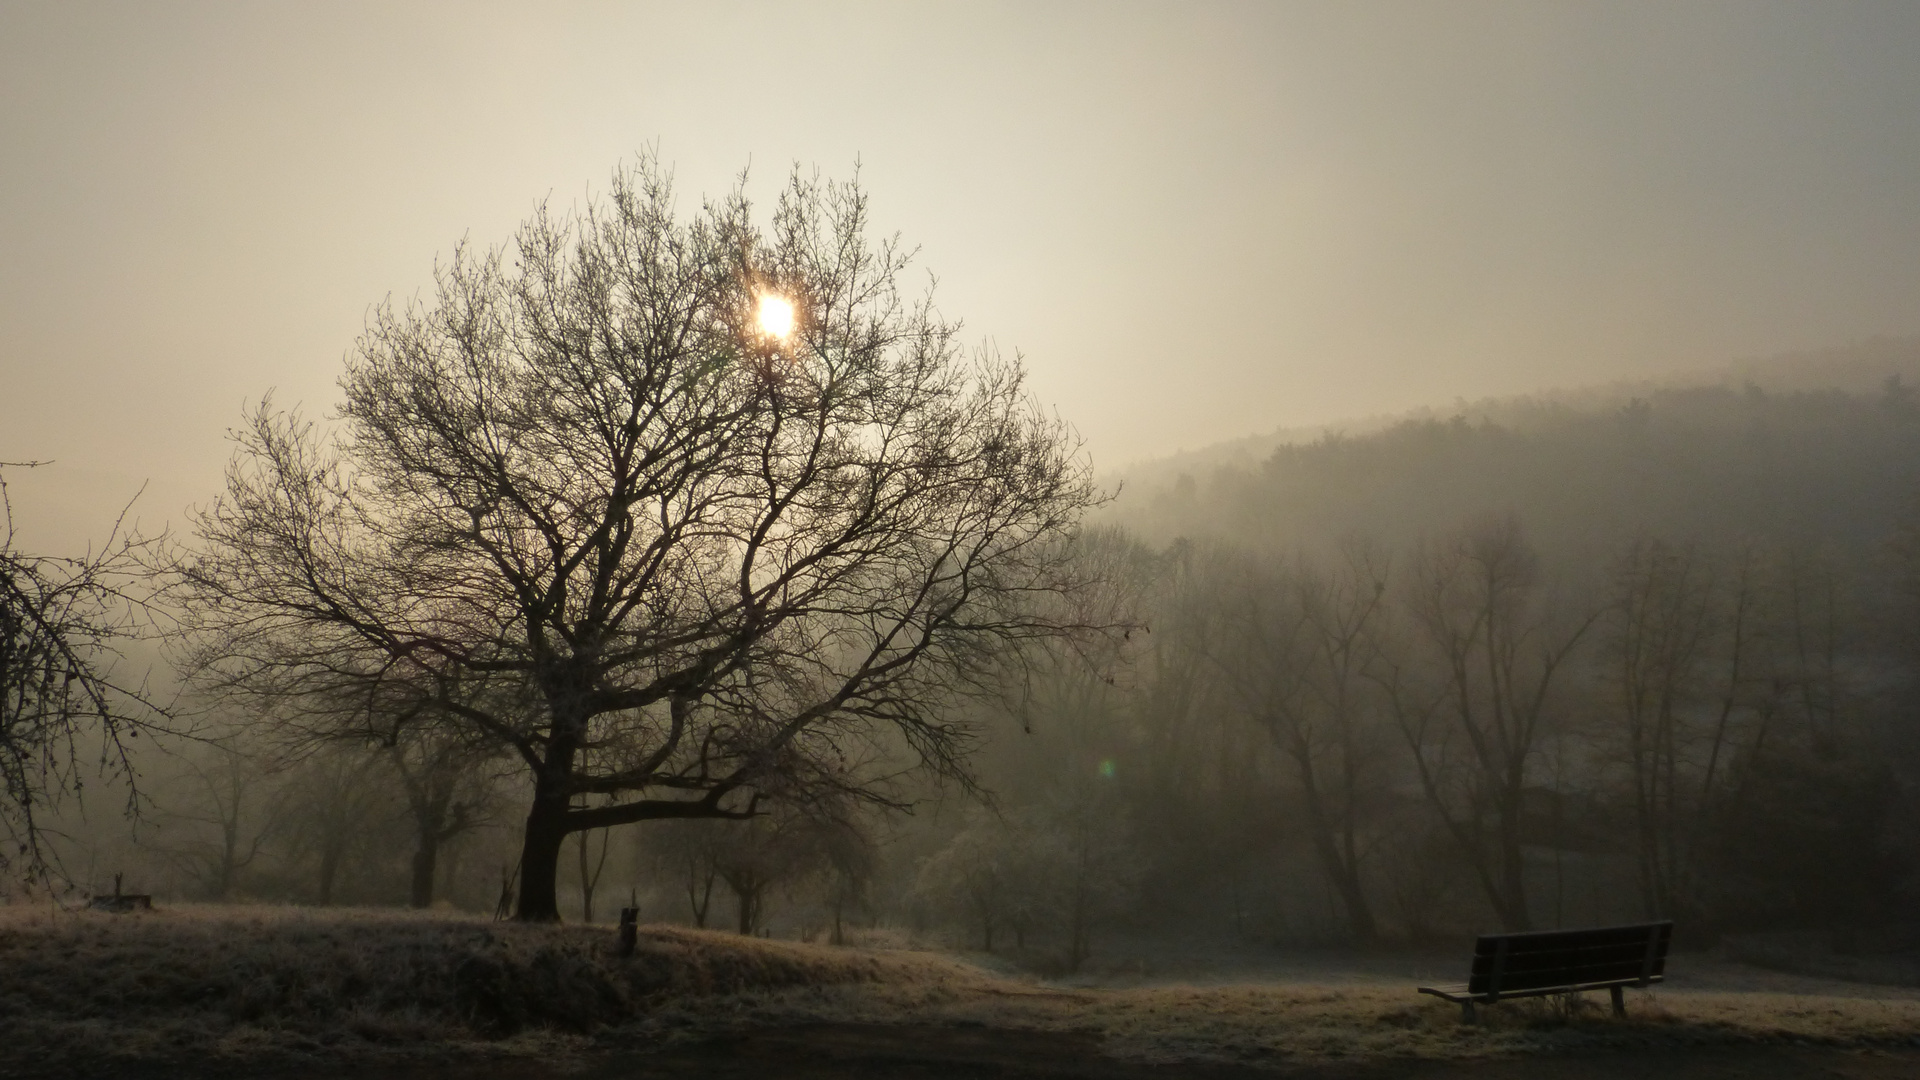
point(1466, 1013)
point(1619, 1001)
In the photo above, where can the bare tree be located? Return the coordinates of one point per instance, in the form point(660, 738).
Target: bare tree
point(683, 849)
point(1659, 625)
point(852, 861)
point(1296, 645)
point(449, 784)
point(973, 875)
point(1475, 708)
point(1096, 864)
point(773, 850)
point(741, 561)
point(591, 866)
point(62, 622)
point(331, 808)
point(215, 822)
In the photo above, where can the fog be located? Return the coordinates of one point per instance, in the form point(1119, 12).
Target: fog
point(1430, 377)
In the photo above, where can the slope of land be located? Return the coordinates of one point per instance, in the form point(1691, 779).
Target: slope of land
point(1863, 368)
point(1836, 466)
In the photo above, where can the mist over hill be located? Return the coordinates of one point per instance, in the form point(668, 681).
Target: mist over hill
point(1808, 448)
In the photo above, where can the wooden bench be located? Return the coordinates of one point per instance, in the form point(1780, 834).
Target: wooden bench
point(1562, 962)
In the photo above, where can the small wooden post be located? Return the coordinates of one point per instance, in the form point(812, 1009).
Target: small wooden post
point(629, 930)
point(1619, 1001)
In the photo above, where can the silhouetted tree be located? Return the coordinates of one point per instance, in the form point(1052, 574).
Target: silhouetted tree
point(745, 562)
point(683, 849)
point(62, 621)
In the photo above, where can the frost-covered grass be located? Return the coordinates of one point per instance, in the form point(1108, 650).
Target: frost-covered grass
point(238, 981)
point(248, 985)
point(1306, 1023)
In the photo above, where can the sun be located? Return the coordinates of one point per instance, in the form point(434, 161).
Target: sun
point(776, 316)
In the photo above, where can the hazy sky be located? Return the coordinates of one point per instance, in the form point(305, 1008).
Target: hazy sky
point(1196, 221)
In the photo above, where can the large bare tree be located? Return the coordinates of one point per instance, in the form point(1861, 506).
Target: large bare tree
point(695, 553)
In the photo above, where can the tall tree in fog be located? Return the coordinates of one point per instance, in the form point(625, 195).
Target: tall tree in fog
point(1658, 633)
point(1187, 753)
point(1296, 644)
point(726, 506)
point(1473, 693)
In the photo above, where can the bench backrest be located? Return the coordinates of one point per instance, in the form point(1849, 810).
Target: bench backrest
point(1511, 963)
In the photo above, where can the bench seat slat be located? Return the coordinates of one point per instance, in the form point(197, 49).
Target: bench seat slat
point(1461, 992)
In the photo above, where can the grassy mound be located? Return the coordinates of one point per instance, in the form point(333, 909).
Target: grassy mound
point(237, 980)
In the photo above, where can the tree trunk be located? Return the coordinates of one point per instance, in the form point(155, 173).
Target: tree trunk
point(425, 858)
point(699, 893)
point(1353, 896)
point(749, 901)
point(540, 856)
point(547, 827)
point(1341, 871)
point(329, 869)
point(1513, 881)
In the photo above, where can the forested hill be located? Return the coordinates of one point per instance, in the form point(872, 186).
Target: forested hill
point(1837, 468)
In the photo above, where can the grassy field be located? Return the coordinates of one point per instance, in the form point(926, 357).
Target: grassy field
point(242, 989)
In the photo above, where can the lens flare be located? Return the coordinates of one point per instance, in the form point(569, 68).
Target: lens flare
point(776, 316)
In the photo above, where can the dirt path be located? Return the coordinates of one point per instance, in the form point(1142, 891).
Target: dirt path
point(852, 1051)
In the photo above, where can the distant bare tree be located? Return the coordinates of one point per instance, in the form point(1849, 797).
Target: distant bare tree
point(216, 818)
point(445, 773)
point(1473, 696)
point(591, 866)
point(1296, 645)
point(681, 849)
point(1097, 865)
point(770, 851)
point(332, 807)
point(1658, 631)
point(852, 861)
point(974, 876)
